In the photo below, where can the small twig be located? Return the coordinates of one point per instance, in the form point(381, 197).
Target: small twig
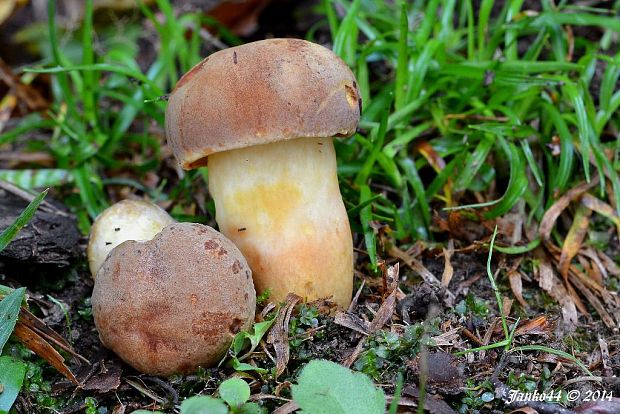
point(356, 353)
point(356, 297)
point(145, 390)
point(473, 337)
point(163, 384)
point(582, 379)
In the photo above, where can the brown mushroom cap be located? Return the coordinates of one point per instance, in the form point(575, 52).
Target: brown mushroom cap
point(174, 303)
point(261, 92)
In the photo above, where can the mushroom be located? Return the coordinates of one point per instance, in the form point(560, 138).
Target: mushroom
point(262, 116)
point(125, 220)
point(173, 303)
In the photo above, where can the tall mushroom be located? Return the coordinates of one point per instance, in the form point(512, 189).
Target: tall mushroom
point(263, 115)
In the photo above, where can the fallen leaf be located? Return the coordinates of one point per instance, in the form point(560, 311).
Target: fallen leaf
point(355, 353)
point(555, 288)
point(448, 270)
point(107, 379)
point(596, 304)
point(278, 335)
point(37, 325)
point(574, 239)
point(414, 264)
point(506, 305)
point(386, 309)
point(287, 408)
point(604, 352)
point(352, 322)
point(581, 307)
point(591, 269)
point(601, 270)
point(434, 159)
point(42, 348)
point(608, 264)
point(536, 326)
point(28, 97)
point(592, 284)
point(516, 285)
point(7, 105)
point(601, 208)
point(551, 215)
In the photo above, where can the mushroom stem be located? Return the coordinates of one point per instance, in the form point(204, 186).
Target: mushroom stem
point(281, 205)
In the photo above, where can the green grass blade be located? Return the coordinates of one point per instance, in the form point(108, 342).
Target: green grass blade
point(9, 311)
point(39, 178)
point(402, 65)
point(517, 184)
point(365, 218)
point(498, 296)
point(555, 352)
point(583, 126)
point(475, 161)
point(105, 67)
point(430, 14)
point(411, 173)
point(565, 167)
point(88, 58)
point(91, 190)
point(332, 19)
point(511, 34)
point(345, 33)
point(531, 161)
point(10, 232)
point(576, 19)
point(484, 13)
point(62, 78)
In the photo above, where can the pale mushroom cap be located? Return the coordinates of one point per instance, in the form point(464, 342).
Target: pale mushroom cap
point(125, 220)
point(174, 303)
point(261, 92)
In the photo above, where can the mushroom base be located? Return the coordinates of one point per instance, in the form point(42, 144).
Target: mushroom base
point(281, 205)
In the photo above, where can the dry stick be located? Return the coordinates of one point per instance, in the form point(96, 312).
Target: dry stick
point(26, 196)
point(166, 386)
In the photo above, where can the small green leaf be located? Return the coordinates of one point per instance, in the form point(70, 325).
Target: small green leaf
point(325, 387)
point(146, 412)
point(259, 330)
point(234, 391)
point(9, 311)
point(487, 397)
point(11, 377)
point(203, 405)
point(243, 366)
point(251, 408)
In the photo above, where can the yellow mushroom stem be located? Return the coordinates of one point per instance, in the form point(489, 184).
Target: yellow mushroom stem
point(281, 205)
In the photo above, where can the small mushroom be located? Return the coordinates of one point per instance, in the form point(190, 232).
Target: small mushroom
point(125, 220)
point(263, 115)
point(174, 303)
